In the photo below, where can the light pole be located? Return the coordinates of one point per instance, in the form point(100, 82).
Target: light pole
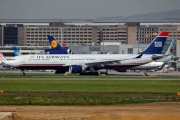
point(61, 35)
point(101, 38)
point(138, 44)
point(103, 43)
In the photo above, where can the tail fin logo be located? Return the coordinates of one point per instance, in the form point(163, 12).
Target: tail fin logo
point(171, 49)
point(54, 43)
point(1, 57)
point(158, 44)
point(18, 53)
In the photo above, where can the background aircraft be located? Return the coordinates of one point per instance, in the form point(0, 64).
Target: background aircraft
point(16, 51)
point(56, 47)
point(159, 63)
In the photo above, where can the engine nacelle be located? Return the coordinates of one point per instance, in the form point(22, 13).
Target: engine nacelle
point(76, 69)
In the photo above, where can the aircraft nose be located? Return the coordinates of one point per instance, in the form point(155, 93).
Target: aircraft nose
point(156, 57)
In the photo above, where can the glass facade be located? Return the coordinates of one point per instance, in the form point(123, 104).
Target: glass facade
point(10, 35)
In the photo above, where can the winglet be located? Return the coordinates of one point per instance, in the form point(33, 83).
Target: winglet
point(139, 56)
point(156, 46)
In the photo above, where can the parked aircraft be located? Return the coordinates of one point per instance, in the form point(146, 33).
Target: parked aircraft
point(56, 47)
point(159, 63)
point(16, 51)
point(169, 52)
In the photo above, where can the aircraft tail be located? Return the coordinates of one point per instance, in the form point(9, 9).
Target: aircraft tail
point(156, 46)
point(169, 53)
point(171, 48)
point(16, 51)
point(2, 58)
point(54, 43)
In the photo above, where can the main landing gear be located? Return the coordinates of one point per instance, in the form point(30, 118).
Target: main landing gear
point(96, 73)
point(22, 72)
point(145, 73)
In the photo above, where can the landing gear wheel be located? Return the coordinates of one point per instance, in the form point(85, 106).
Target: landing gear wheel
point(145, 73)
point(96, 73)
point(22, 73)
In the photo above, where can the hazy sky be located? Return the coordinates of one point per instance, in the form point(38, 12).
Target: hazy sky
point(81, 9)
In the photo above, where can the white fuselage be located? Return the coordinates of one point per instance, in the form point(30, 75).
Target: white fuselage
point(53, 61)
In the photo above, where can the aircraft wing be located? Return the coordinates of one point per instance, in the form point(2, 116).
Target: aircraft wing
point(101, 63)
point(94, 63)
point(89, 64)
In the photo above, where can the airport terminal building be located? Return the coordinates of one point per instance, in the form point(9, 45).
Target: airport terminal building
point(84, 38)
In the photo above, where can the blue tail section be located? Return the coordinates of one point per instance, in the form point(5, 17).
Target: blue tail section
point(156, 46)
point(54, 43)
point(16, 51)
point(56, 47)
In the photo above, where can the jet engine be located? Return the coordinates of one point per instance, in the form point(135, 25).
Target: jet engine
point(76, 69)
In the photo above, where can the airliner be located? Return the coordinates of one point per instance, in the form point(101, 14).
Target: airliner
point(80, 63)
point(69, 62)
point(56, 47)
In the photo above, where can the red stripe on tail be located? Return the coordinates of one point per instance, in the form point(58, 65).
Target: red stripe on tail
point(163, 33)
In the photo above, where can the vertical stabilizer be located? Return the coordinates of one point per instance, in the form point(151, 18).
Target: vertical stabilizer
point(2, 58)
point(54, 43)
point(156, 46)
point(171, 48)
point(16, 51)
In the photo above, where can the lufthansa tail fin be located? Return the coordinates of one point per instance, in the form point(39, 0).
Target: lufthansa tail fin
point(156, 46)
point(54, 43)
point(16, 51)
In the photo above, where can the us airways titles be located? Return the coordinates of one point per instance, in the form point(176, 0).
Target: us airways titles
point(53, 56)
